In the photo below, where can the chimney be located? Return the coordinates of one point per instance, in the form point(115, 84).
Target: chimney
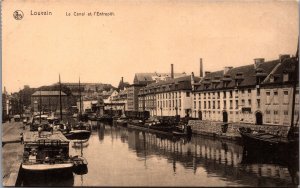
point(258, 61)
point(193, 81)
point(226, 69)
point(283, 56)
point(172, 71)
point(206, 73)
point(201, 68)
point(122, 80)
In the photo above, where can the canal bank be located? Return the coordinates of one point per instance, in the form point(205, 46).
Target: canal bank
point(12, 152)
point(230, 131)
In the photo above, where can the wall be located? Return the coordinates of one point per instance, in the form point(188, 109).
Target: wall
point(210, 128)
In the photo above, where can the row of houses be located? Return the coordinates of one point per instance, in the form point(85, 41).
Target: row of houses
point(258, 93)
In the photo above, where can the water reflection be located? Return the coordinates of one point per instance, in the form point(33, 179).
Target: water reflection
point(118, 156)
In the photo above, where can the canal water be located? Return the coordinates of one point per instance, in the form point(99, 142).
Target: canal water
point(119, 156)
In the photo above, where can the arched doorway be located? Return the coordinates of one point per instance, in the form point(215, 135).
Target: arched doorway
point(259, 118)
point(225, 117)
point(200, 115)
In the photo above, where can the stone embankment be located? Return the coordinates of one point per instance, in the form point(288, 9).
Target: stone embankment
point(12, 152)
point(216, 129)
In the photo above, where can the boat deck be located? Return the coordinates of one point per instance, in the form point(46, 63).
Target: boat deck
point(33, 137)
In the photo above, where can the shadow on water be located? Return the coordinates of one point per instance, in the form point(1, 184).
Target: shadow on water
point(46, 179)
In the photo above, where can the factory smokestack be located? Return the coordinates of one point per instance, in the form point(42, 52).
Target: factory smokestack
point(201, 68)
point(172, 71)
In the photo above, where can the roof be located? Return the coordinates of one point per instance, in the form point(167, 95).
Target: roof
point(48, 93)
point(287, 66)
point(33, 137)
point(181, 83)
point(148, 77)
point(245, 76)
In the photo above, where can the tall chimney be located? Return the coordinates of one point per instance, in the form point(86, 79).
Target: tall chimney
point(122, 80)
point(201, 68)
point(172, 71)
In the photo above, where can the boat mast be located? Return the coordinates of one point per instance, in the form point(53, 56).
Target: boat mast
point(60, 105)
point(40, 106)
point(79, 99)
point(295, 77)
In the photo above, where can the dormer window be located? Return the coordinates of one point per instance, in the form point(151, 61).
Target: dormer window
point(285, 77)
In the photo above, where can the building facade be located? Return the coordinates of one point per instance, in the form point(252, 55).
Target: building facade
point(244, 94)
point(168, 98)
point(49, 101)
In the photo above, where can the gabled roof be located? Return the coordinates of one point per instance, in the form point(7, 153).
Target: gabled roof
point(48, 93)
point(287, 66)
point(244, 75)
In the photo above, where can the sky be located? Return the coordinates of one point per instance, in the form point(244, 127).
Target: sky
point(142, 36)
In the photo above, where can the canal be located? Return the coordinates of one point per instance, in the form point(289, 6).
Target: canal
point(118, 156)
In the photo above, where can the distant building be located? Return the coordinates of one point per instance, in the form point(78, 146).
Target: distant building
point(5, 105)
point(168, 98)
point(143, 79)
point(255, 93)
point(49, 101)
point(132, 96)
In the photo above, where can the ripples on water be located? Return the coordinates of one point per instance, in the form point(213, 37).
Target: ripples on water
point(119, 156)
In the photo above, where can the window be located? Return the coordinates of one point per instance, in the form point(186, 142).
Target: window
point(187, 94)
point(276, 117)
point(268, 116)
point(199, 104)
point(249, 102)
point(179, 103)
point(194, 104)
point(285, 77)
point(218, 104)
point(224, 93)
point(243, 102)
point(204, 104)
point(276, 97)
point(230, 94)
point(224, 102)
point(285, 97)
point(230, 104)
point(249, 90)
point(214, 105)
point(208, 104)
point(258, 103)
point(268, 97)
point(236, 104)
point(258, 91)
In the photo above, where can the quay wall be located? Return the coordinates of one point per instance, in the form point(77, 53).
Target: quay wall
point(214, 128)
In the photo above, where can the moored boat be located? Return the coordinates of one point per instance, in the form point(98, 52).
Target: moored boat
point(79, 132)
point(45, 151)
point(123, 120)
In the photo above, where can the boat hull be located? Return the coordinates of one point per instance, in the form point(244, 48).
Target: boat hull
point(78, 135)
point(257, 142)
point(47, 167)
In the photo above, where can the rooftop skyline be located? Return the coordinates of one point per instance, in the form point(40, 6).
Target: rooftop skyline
point(141, 37)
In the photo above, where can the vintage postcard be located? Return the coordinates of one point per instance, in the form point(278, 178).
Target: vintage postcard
point(150, 93)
